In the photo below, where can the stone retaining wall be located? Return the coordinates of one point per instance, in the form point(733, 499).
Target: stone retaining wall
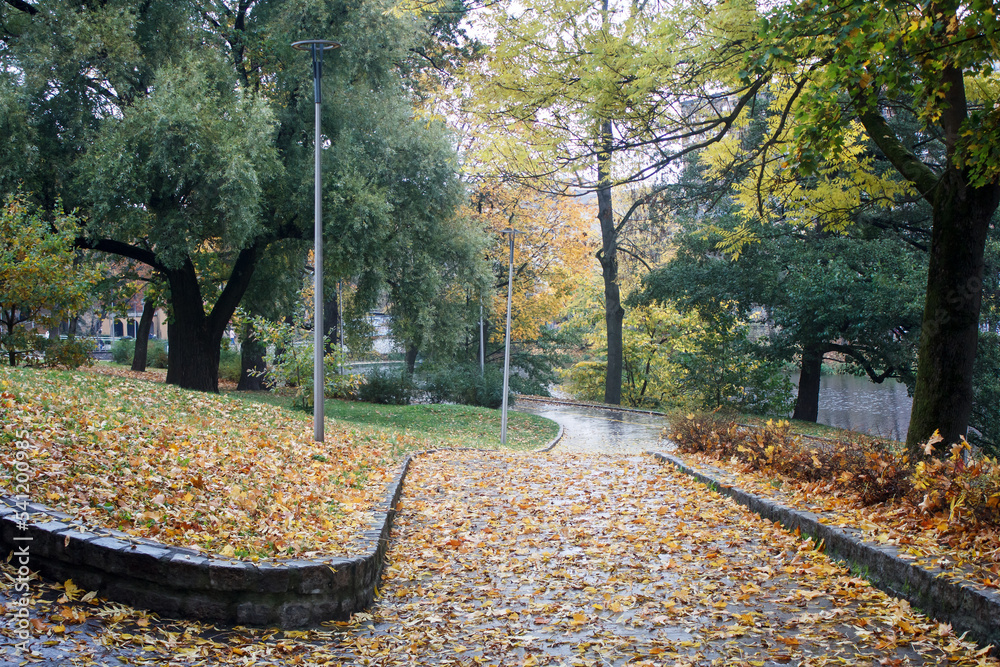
point(178, 582)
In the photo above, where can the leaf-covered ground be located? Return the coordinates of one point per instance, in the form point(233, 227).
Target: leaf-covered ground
point(559, 559)
point(237, 477)
point(964, 553)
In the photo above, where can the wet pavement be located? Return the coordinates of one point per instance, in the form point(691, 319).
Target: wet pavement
point(600, 430)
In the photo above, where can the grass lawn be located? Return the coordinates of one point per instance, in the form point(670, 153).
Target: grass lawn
point(437, 425)
point(232, 474)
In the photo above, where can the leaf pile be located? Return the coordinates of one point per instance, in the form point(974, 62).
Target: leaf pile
point(942, 513)
point(589, 560)
point(233, 477)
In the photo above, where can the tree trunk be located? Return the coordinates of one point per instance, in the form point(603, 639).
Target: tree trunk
point(142, 336)
point(949, 333)
point(252, 362)
point(614, 314)
point(807, 401)
point(411, 358)
point(194, 336)
point(331, 323)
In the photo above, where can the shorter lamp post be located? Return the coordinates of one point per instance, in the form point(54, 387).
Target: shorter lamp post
point(506, 351)
point(317, 47)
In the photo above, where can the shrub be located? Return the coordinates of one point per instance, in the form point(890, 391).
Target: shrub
point(230, 364)
point(70, 353)
point(864, 466)
point(965, 486)
point(123, 350)
point(465, 384)
point(156, 354)
point(387, 387)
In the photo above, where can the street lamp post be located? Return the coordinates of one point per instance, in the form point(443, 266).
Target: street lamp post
point(317, 47)
point(506, 351)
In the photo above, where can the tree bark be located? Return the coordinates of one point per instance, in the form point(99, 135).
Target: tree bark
point(331, 323)
point(142, 336)
point(807, 400)
point(411, 358)
point(195, 336)
point(252, 362)
point(614, 314)
point(949, 333)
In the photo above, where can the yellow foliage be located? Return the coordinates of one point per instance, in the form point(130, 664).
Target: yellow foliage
point(551, 252)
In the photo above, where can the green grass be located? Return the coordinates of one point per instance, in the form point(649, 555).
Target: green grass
point(436, 425)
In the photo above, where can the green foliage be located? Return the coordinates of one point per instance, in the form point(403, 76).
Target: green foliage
point(466, 385)
point(123, 351)
point(682, 361)
point(386, 386)
point(184, 131)
point(858, 294)
point(290, 361)
point(230, 364)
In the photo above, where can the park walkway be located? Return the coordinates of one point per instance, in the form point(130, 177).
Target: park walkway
point(566, 558)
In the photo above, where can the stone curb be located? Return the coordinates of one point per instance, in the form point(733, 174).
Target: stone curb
point(552, 443)
point(969, 608)
point(179, 582)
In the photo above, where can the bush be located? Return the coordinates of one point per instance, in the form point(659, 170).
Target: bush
point(386, 387)
point(963, 488)
point(230, 364)
point(465, 384)
point(864, 466)
point(70, 353)
point(156, 354)
point(123, 351)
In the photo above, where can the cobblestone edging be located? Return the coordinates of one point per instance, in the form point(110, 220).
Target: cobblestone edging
point(180, 582)
point(967, 607)
point(548, 447)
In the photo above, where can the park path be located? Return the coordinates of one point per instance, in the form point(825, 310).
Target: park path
point(564, 558)
point(599, 429)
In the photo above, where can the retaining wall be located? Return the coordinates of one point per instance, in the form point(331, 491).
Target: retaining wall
point(179, 582)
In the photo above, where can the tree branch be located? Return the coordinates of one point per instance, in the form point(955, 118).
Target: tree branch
point(22, 6)
point(899, 156)
point(122, 249)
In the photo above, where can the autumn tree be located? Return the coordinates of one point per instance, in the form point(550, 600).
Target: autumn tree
point(40, 280)
point(551, 257)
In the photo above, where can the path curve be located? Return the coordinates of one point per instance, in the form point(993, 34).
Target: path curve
point(599, 430)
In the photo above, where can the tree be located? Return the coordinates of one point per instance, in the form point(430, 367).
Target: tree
point(547, 99)
point(817, 293)
point(39, 278)
point(184, 132)
point(550, 257)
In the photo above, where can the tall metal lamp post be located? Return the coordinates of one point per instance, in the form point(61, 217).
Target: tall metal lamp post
point(506, 351)
point(317, 47)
